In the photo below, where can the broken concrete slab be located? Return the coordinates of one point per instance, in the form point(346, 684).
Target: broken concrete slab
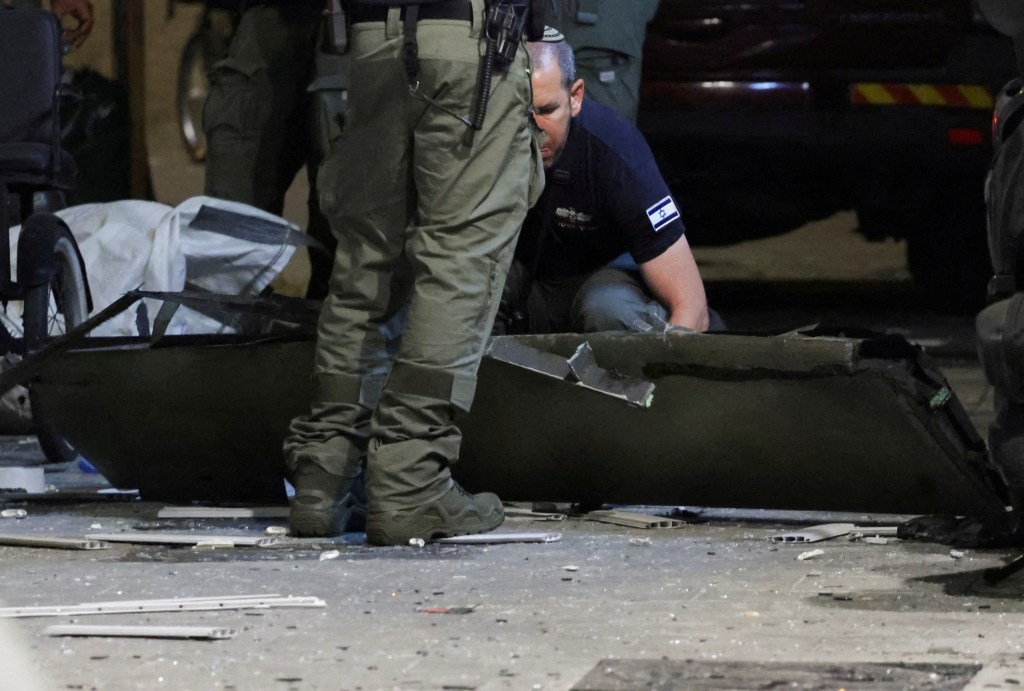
point(816, 422)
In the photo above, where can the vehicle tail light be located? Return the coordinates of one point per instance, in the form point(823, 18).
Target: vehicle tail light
point(965, 136)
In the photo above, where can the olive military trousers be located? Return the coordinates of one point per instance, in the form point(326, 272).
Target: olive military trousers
point(426, 212)
point(612, 79)
point(262, 124)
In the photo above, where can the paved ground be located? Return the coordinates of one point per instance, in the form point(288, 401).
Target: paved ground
point(710, 604)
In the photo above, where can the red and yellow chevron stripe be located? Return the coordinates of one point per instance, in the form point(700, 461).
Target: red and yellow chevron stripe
point(947, 95)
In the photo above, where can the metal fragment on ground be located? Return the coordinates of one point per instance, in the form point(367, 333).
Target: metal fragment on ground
point(172, 605)
point(815, 533)
point(222, 512)
point(519, 512)
point(183, 632)
point(179, 539)
point(448, 610)
point(631, 519)
point(499, 538)
point(813, 554)
point(52, 542)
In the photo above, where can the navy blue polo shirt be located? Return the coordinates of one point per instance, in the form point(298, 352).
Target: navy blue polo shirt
point(604, 196)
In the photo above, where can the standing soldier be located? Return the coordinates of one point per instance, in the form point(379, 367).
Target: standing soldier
point(426, 191)
point(261, 124)
point(607, 37)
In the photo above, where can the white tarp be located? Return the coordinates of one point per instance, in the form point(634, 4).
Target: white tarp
point(146, 245)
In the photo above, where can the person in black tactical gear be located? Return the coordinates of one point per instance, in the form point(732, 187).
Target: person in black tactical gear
point(1000, 326)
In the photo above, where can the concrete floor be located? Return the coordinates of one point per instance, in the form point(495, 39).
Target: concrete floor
point(715, 589)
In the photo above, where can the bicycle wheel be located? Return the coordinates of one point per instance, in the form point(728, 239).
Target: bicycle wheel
point(52, 308)
point(200, 52)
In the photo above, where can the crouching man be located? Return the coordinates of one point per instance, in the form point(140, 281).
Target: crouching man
point(604, 248)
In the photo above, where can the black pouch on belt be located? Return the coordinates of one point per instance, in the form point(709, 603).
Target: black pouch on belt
point(506, 23)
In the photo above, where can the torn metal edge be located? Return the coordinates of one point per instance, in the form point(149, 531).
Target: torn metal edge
point(582, 367)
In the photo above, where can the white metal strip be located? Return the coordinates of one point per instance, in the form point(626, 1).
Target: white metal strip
point(185, 632)
point(182, 605)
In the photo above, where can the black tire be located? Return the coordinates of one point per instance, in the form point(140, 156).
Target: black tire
point(203, 48)
point(52, 309)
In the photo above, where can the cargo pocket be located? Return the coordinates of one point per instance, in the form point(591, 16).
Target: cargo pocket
point(330, 101)
point(233, 107)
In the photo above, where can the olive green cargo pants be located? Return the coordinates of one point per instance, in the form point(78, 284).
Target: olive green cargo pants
point(607, 37)
point(426, 213)
point(261, 123)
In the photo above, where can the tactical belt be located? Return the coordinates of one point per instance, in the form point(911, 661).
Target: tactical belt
point(449, 9)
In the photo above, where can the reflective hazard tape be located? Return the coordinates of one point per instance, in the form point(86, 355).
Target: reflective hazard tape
point(951, 95)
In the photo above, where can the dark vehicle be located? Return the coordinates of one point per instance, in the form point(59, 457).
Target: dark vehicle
point(767, 114)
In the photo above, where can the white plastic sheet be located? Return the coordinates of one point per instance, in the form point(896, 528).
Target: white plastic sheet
point(147, 245)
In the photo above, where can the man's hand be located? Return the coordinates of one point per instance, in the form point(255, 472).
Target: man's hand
point(675, 280)
point(78, 10)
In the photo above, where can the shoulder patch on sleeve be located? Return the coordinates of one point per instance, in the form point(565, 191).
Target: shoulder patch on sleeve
point(662, 213)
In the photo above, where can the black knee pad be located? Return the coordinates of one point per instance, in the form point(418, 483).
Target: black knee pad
point(1000, 331)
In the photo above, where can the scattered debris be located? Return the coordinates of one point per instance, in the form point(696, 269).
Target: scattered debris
point(571, 567)
point(533, 514)
point(956, 554)
point(875, 540)
point(332, 554)
point(417, 542)
point(52, 542)
point(184, 632)
point(14, 513)
point(171, 605)
point(222, 512)
point(631, 519)
point(216, 543)
point(640, 541)
point(276, 530)
point(178, 539)
point(499, 538)
point(814, 533)
point(448, 610)
point(827, 531)
point(814, 553)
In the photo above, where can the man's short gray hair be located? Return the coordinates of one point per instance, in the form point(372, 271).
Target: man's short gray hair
point(543, 54)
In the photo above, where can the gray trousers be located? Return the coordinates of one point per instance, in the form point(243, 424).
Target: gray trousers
point(613, 298)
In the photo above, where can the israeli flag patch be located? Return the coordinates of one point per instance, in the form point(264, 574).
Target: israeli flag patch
point(662, 213)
